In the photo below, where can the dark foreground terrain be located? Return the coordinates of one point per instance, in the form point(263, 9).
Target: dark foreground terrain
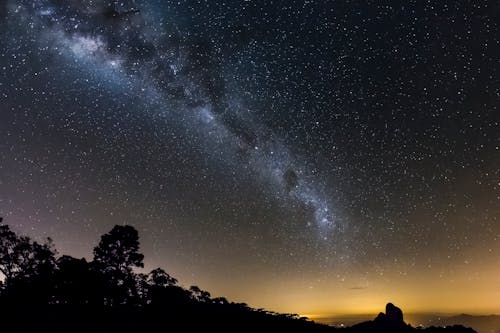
point(186, 318)
point(44, 292)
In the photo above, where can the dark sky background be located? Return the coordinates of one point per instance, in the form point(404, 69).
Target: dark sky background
point(303, 156)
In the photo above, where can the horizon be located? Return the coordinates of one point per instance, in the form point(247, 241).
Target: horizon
point(340, 307)
point(406, 314)
point(299, 156)
point(106, 293)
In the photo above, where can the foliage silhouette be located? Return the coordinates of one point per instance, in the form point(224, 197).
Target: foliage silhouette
point(27, 266)
point(42, 293)
point(74, 282)
point(114, 259)
point(159, 278)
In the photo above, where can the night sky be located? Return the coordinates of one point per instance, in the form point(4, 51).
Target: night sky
point(302, 156)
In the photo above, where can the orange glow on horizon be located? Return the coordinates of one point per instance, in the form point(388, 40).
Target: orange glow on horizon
point(472, 290)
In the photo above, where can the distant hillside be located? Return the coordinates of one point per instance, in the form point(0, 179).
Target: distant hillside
point(482, 324)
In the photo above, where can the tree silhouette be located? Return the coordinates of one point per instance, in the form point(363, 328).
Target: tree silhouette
point(118, 250)
point(159, 278)
point(199, 295)
point(114, 259)
point(143, 289)
point(164, 292)
point(220, 301)
point(74, 281)
point(8, 248)
point(28, 266)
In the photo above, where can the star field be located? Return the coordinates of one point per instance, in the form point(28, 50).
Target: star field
point(345, 150)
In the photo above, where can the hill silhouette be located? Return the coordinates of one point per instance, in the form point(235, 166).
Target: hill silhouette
point(392, 321)
point(44, 292)
point(482, 324)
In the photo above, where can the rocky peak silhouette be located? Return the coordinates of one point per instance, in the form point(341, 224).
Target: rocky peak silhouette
point(393, 313)
point(392, 321)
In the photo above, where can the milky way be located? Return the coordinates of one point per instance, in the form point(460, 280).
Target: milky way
point(324, 147)
point(116, 39)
